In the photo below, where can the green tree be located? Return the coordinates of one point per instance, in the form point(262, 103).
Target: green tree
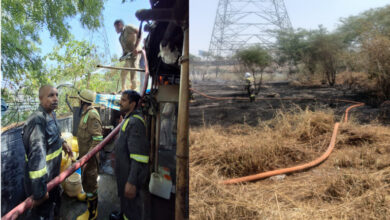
point(325, 50)
point(377, 52)
point(318, 50)
point(291, 47)
point(22, 21)
point(254, 59)
point(74, 61)
point(371, 23)
point(108, 81)
point(357, 31)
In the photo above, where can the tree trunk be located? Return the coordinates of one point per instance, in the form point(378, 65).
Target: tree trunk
point(333, 78)
point(254, 81)
point(261, 82)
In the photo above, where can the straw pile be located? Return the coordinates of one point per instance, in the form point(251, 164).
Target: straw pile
point(353, 183)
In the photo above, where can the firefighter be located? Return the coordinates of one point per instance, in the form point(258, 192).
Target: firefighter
point(132, 157)
point(249, 86)
point(43, 145)
point(130, 46)
point(89, 134)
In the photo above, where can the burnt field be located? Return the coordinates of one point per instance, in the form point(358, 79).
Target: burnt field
point(236, 138)
point(229, 112)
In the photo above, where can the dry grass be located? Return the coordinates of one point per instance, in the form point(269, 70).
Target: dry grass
point(303, 78)
point(355, 81)
point(231, 73)
point(352, 184)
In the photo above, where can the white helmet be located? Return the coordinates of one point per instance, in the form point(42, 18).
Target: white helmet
point(247, 75)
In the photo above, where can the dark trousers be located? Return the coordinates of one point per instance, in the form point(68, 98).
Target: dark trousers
point(49, 209)
point(89, 175)
point(133, 209)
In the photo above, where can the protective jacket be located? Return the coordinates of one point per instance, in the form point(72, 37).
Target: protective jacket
point(132, 152)
point(43, 146)
point(89, 133)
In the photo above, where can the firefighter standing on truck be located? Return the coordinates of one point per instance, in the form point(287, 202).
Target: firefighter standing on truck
point(89, 134)
point(43, 145)
point(130, 46)
point(132, 157)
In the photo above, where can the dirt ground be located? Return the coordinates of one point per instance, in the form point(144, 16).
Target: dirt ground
point(211, 112)
point(237, 138)
point(107, 192)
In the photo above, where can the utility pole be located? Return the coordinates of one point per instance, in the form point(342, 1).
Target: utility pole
point(182, 152)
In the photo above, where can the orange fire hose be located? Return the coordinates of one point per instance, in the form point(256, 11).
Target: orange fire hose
point(349, 108)
point(302, 167)
point(290, 169)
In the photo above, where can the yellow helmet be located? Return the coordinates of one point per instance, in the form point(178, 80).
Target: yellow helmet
point(87, 96)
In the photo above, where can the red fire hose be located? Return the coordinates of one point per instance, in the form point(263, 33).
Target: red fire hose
point(27, 204)
point(15, 212)
point(146, 78)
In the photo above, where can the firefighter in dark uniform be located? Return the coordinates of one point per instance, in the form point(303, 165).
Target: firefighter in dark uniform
point(89, 134)
point(43, 146)
point(132, 157)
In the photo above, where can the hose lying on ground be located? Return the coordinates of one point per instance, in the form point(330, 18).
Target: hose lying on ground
point(302, 167)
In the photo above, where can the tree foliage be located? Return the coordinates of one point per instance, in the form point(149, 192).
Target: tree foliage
point(356, 29)
point(318, 50)
point(324, 50)
point(368, 38)
point(377, 52)
point(361, 43)
point(22, 21)
point(74, 61)
point(292, 46)
point(254, 59)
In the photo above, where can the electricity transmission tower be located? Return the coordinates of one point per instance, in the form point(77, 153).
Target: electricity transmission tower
point(242, 23)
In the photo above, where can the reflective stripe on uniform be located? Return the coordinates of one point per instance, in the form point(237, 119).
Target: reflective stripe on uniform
point(86, 116)
point(127, 121)
point(97, 138)
point(140, 118)
point(140, 158)
point(54, 154)
point(49, 156)
point(125, 124)
point(124, 216)
point(38, 173)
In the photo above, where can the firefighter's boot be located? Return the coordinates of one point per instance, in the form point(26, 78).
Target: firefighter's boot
point(92, 212)
point(252, 97)
point(82, 197)
point(116, 215)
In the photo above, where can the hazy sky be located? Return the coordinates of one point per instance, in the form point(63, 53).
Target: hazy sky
point(306, 14)
point(303, 13)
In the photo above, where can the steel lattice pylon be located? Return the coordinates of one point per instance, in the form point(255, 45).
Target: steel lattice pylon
point(240, 24)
